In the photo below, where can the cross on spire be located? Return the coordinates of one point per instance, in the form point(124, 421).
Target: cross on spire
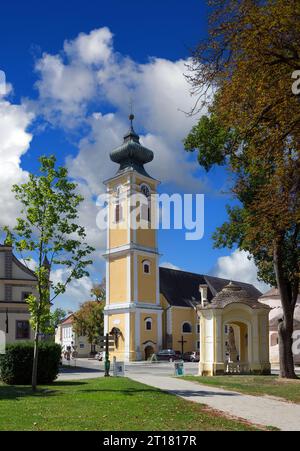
point(131, 116)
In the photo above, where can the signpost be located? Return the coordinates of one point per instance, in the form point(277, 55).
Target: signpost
point(107, 343)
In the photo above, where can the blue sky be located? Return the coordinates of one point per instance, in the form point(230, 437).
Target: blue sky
point(71, 69)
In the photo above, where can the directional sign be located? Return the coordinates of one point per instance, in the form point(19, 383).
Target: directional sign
point(103, 338)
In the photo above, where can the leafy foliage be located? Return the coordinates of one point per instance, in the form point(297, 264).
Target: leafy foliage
point(56, 318)
point(89, 321)
point(98, 291)
point(211, 140)
point(16, 364)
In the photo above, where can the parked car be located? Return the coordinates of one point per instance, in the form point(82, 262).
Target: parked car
point(168, 355)
point(193, 356)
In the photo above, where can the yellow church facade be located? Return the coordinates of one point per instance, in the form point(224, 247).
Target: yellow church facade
point(148, 308)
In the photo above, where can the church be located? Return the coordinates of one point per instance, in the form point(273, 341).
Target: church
point(149, 308)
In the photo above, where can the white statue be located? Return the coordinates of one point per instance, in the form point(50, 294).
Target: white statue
point(231, 347)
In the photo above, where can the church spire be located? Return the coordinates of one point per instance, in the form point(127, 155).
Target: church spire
point(132, 155)
point(131, 135)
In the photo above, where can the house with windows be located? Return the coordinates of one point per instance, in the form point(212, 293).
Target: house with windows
point(17, 282)
point(272, 299)
point(66, 337)
point(148, 307)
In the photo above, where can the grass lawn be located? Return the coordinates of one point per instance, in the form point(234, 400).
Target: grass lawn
point(105, 404)
point(255, 385)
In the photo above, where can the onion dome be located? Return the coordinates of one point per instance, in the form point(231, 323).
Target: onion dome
point(131, 155)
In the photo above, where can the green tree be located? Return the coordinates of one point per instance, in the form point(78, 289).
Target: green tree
point(253, 127)
point(98, 291)
point(89, 321)
point(56, 318)
point(48, 230)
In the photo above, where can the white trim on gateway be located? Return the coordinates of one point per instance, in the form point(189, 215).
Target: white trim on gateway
point(127, 337)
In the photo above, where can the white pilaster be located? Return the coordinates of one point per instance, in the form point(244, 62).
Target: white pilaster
point(157, 279)
point(128, 260)
point(106, 331)
point(159, 330)
point(127, 337)
point(135, 276)
point(138, 334)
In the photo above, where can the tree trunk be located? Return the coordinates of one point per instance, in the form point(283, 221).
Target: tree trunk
point(286, 325)
point(286, 358)
point(35, 360)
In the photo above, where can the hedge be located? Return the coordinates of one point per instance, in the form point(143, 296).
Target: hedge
point(16, 363)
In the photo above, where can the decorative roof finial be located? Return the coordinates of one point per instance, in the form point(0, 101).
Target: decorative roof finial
point(131, 118)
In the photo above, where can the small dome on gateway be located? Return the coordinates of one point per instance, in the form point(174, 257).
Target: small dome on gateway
point(131, 155)
point(234, 293)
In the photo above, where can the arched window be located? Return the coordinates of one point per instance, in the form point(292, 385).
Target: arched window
point(118, 213)
point(145, 189)
point(146, 267)
point(148, 324)
point(186, 328)
point(146, 206)
point(118, 205)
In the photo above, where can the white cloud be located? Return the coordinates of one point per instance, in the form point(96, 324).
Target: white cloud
point(90, 74)
point(169, 266)
point(78, 291)
point(64, 90)
point(94, 48)
point(238, 267)
point(14, 142)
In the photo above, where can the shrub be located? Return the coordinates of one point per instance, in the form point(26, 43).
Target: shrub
point(16, 363)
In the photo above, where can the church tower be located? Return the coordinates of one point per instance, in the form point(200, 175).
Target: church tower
point(133, 311)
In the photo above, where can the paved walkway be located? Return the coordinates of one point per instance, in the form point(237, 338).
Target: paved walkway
point(74, 374)
point(256, 409)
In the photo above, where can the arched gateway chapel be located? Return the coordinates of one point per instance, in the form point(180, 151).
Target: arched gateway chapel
point(149, 308)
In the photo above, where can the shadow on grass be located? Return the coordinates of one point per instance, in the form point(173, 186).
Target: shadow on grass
point(125, 391)
point(15, 392)
point(77, 369)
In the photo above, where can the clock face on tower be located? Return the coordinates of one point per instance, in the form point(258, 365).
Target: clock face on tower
point(145, 190)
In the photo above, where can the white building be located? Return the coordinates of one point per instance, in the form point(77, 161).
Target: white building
point(17, 282)
point(272, 299)
point(66, 337)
